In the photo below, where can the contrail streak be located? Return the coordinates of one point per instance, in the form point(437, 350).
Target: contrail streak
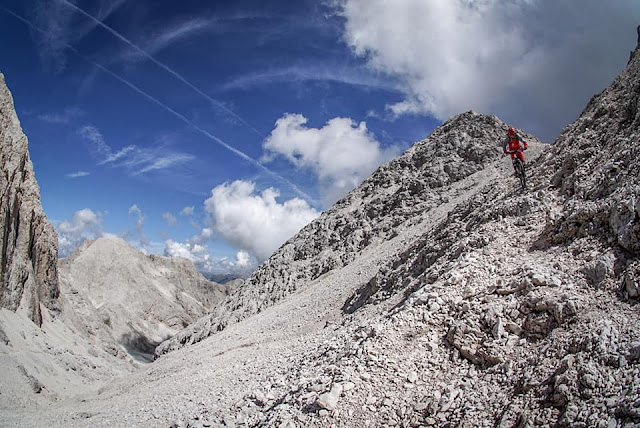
point(170, 110)
point(161, 65)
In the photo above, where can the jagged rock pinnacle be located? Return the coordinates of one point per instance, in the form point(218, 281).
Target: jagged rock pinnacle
point(29, 245)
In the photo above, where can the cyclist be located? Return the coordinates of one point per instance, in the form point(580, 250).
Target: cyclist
point(511, 145)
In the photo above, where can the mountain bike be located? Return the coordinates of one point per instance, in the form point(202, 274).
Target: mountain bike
point(518, 166)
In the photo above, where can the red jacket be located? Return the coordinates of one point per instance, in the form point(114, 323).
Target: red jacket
point(513, 144)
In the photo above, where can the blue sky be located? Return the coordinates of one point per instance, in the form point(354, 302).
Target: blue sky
point(215, 130)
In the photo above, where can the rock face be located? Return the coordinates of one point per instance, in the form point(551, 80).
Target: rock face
point(127, 302)
point(397, 196)
point(29, 245)
point(596, 168)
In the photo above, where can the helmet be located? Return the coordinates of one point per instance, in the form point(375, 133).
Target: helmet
point(512, 131)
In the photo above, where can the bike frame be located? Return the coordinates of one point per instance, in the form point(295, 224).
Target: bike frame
point(518, 166)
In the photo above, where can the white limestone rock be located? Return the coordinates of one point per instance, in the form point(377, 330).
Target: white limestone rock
point(29, 253)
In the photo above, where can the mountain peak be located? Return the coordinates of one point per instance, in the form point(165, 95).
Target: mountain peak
point(417, 187)
point(146, 298)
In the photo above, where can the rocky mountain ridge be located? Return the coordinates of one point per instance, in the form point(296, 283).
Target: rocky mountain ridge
point(29, 253)
point(397, 196)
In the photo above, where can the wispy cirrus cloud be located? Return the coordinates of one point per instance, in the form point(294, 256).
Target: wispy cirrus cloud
point(164, 35)
point(140, 217)
point(98, 147)
point(143, 160)
point(63, 28)
point(170, 219)
point(64, 117)
point(136, 235)
point(161, 39)
point(78, 174)
point(308, 73)
point(165, 67)
point(135, 159)
point(187, 210)
point(156, 101)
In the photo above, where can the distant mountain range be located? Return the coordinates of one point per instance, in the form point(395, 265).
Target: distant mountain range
point(221, 278)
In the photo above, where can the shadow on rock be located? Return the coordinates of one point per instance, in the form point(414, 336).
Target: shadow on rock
point(140, 347)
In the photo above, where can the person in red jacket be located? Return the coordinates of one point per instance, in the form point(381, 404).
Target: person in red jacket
point(511, 144)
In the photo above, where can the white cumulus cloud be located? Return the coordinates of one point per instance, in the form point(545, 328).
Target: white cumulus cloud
point(85, 224)
point(206, 234)
point(243, 259)
point(342, 153)
point(532, 62)
point(193, 252)
point(255, 223)
point(204, 262)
